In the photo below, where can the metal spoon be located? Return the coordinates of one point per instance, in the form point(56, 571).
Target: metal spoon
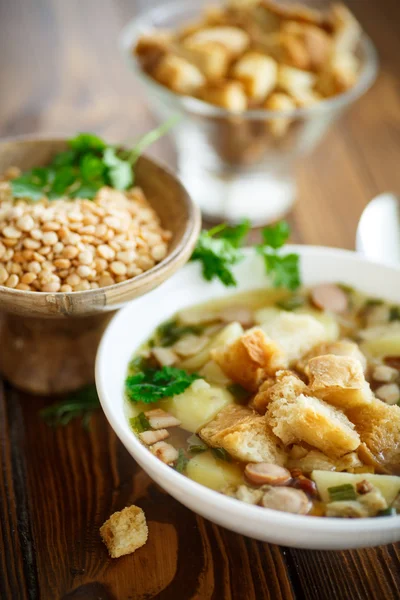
point(378, 232)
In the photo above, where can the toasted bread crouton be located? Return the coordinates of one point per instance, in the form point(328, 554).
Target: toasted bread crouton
point(295, 333)
point(378, 425)
point(226, 94)
point(250, 359)
point(278, 126)
point(315, 460)
point(232, 38)
point(212, 58)
point(125, 531)
point(258, 74)
point(244, 435)
point(178, 74)
point(338, 348)
point(315, 422)
point(290, 79)
point(150, 48)
point(286, 385)
point(339, 380)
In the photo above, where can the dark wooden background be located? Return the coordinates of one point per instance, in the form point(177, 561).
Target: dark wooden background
point(60, 72)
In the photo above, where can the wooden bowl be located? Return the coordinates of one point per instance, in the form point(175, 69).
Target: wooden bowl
point(49, 340)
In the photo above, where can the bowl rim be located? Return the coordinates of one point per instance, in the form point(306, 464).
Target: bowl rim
point(129, 35)
point(236, 508)
point(183, 248)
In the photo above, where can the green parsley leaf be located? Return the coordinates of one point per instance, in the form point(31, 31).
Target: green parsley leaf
point(277, 235)
point(119, 170)
point(87, 142)
point(80, 404)
point(394, 314)
point(170, 332)
point(23, 188)
point(140, 423)
point(196, 444)
point(239, 393)
point(152, 385)
point(218, 250)
point(221, 454)
point(387, 512)
point(284, 270)
point(181, 462)
point(92, 167)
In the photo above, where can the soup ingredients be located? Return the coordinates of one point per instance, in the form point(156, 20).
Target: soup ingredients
point(125, 531)
point(267, 473)
point(290, 404)
point(151, 385)
point(140, 423)
point(330, 297)
point(239, 56)
point(81, 404)
point(287, 500)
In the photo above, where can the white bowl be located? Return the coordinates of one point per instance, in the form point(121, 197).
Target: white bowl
point(135, 323)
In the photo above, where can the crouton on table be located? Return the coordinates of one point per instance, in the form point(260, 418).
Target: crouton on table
point(339, 380)
point(125, 531)
point(244, 435)
point(250, 359)
point(310, 420)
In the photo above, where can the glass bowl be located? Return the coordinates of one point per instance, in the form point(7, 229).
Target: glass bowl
point(231, 164)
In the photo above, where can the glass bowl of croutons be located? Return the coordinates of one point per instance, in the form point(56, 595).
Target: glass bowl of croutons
point(257, 84)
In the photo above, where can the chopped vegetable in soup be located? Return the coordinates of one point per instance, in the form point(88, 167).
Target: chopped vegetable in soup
point(286, 401)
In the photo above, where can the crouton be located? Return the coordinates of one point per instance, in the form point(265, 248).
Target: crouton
point(378, 425)
point(178, 74)
point(338, 348)
point(232, 38)
point(339, 380)
point(151, 48)
point(286, 385)
point(315, 422)
point(295, 11)
point(315, 460)
point(244, 435)
point(212, 58)
point(250, 359)
point(295, 333)
point(291, 79)
point(278, 126)
point(258, 74)
point(226, 94)
point(125, 531)
point(346, 29)
point(306, 46)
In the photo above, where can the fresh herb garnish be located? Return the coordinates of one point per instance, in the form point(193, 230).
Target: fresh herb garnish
point(342, 492)
point(181, 462)
point(140, 423)
point(283, 269)
point(87, 166)
point(170, 332)
point(152, 385)
point(196, 444)
point(221, 454)
point(219, 250)
point(291, 303)
point(388, 512)
point(373, 302)
point(80, 404)
point(239, 393)
point(394, 313)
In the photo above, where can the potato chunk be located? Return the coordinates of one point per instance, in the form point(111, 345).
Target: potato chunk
point(250, 359)
point(389, 485)
point(315, 422)
point(339, 380)
point(244, 435)
point(198, 404)
point(212, 472)
point(258, 73)
point(295, 333)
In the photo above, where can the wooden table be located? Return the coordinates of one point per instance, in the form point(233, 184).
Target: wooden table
point(60, 72)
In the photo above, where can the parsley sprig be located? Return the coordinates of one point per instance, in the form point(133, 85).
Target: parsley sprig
point(81, 404)
point(219, 249)
point(152, 385)
point(88, 165)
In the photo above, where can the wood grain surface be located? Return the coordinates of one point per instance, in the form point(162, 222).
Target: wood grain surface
point(60, 72)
